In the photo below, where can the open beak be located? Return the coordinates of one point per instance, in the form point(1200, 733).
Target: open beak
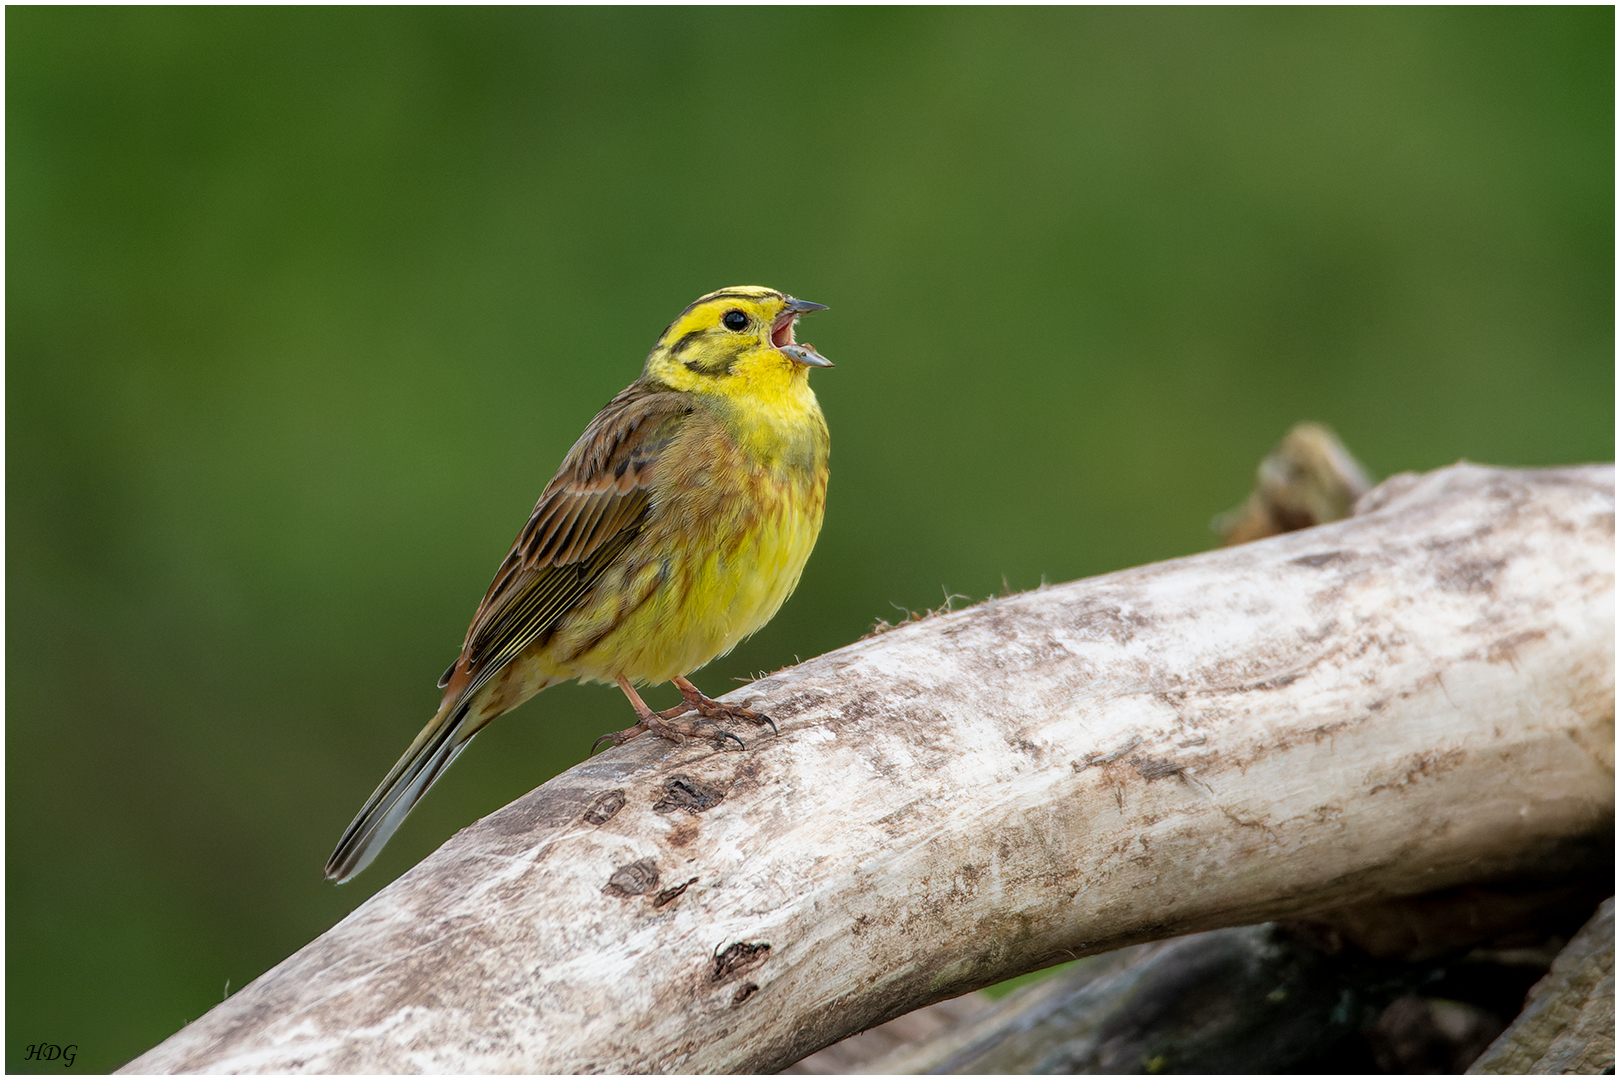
point(782, 334)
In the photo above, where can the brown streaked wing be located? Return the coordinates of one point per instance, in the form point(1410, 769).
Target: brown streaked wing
point(589, 513)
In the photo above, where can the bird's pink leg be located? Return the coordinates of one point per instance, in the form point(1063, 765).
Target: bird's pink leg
point(714, 710)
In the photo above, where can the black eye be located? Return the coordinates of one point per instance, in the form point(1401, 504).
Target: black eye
point(734, 319)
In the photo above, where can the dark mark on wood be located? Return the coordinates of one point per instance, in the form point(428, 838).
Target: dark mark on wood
point(538, 809)
point(1109, 622)
point(1508, 648)
point(1424, 766)
point(1323, 559)
point(1095, 758)
point(744, 992)
point(685, 793)
point(603, 807)
point(670, 894)
point(633, 879)
point(1151, 769)
point(1470, 575)
point(1276, 682)
point(737, 957)
point(684, 832)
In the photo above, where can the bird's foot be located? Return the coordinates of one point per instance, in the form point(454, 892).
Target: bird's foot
point(697, 701)
point(669, 723)
point(676, 732)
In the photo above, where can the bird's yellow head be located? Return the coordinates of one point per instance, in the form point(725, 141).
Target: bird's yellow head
point(736, 342)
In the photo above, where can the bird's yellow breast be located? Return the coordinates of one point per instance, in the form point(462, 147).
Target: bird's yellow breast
point(736, 509)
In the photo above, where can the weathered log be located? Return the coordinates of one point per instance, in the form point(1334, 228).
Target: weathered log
point(1415, 698)
point(1567, 1026)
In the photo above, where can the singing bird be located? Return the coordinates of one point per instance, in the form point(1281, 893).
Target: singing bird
point(677, 525)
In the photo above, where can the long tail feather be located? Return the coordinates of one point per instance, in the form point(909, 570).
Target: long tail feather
point(429, 755)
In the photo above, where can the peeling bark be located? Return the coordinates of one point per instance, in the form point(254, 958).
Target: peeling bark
point(1416, 698)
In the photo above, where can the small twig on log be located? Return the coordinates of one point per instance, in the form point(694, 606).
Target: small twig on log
point(1309, 479)
point(1412, 699)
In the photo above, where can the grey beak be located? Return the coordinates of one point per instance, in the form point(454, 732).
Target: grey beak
point(805, 354)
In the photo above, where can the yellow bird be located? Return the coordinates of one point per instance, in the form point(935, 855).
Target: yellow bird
point(677, 525)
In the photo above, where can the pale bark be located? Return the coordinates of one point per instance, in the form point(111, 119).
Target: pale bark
point(1417, 697)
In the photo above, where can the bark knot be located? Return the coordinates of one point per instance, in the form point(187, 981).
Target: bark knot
point(603, 807)
point(738, 957)
point(633, 879)
point(1151, 769)
point(671, 894)
point(684, 793)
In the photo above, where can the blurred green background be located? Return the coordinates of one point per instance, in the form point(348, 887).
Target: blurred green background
point(305, 305)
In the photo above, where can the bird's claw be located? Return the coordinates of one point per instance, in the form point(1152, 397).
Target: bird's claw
point(695, 727)
point(719, 710)
point(737, 712)
point(617, 738)
point(692, 700)
point(659, 724)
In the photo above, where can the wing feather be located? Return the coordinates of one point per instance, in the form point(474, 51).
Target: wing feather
point(588, 515)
